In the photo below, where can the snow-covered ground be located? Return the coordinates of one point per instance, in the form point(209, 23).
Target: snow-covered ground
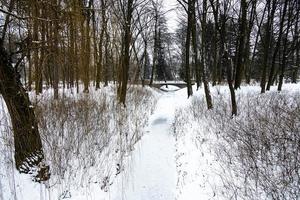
point(87, 139)
point(153, 171)
point(220, 157)
point(182, 153)
point(169, 88)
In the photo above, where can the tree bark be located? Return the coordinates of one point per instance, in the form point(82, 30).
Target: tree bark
point(100, 61)
point(154, 63)
point(247, 45)
point(271, 11)
point(285, 46)
point(272, 70)
point(126, 55)
point(203, 56)
point(241, 46)
point(297, 55)
point(27, 141)
point(55, 51)
point(195, 47)
point(228, 64)
point(187, 48)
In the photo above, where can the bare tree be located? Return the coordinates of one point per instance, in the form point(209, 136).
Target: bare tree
point(271, 7)
point(189, 10)
point(28, 145)
point(204, 55)
point(281, 26)
point(127, 13)
point(240, 63)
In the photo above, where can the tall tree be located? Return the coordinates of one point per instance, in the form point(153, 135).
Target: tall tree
point(27, 141)
point(104, 7)
point(195, 47)
point(204, 55)
point(127, 9)
point(285, 46)
point(156, 6)
point(271, 8)
point(189, 10)
point(240, 63)
point(281, 26)
point(296, 45)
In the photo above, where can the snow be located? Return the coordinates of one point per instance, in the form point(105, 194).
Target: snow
point(83, 166)
point(174, 157)
point(169, 88)
point(153, 174)
point(207, 164)
point(171, 15)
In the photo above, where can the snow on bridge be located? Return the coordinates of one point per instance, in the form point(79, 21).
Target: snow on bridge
point(179, 84)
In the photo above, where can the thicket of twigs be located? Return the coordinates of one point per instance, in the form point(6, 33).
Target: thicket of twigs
point(89, 135)
point(258, 150)
point(86, 137)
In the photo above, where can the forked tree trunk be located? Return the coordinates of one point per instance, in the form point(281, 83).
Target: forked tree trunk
point(28, 145)
point(271, 11)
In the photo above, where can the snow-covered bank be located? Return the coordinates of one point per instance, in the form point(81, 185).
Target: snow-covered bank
point(153, 172)
point(86, 139)
point(251, 156)
point(98, 150)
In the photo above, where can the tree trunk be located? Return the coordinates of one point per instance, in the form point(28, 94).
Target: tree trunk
point(154, 63)
point(126, 55)
point(296, 39)
point(145, 62)
point(86, 80)
point(247, 45)
point(285, 46)
point(240, 64)
point(195, 48)
point(36, 58)
point(106, 66)
point(55, 52)
point(29, 70)
point(28, 145)
point(267, 42)
point(187, 48)
point(203, 56)
point(228, 64)
point(256, 39)
point(99, 64)
point(272, 70)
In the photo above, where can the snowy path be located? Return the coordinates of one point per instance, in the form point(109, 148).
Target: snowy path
point(153, 168)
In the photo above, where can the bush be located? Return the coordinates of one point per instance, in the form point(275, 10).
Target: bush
point(264, 142)
point(87, 136)
point(259, 150)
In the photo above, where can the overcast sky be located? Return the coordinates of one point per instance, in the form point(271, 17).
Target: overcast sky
point(172, 15)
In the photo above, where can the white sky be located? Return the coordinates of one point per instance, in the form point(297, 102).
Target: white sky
point(172, 15)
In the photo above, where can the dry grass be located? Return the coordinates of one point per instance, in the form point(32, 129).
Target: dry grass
point(86, 137)
point(258, 150)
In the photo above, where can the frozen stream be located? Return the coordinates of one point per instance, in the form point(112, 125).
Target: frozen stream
point(153, 168)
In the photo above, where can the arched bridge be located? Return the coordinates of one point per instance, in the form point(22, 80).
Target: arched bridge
point(180, 84)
